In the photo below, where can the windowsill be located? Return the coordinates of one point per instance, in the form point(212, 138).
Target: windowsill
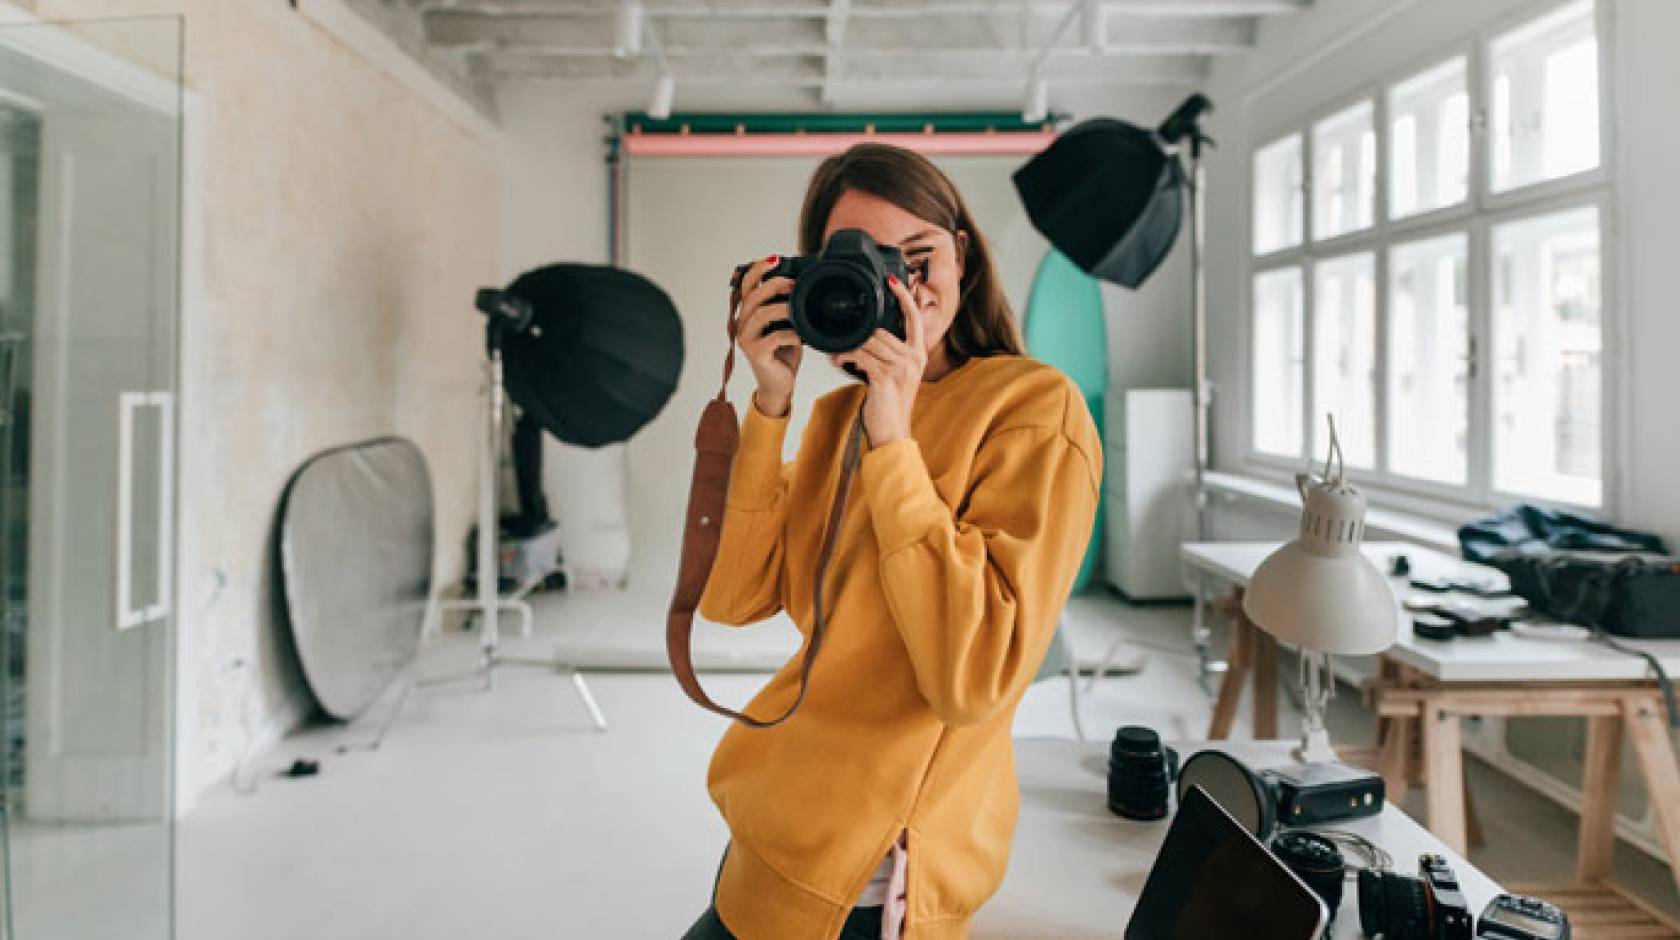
point(1403, 526)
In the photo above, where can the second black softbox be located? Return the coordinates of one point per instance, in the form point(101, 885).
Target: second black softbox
point(1107, 195)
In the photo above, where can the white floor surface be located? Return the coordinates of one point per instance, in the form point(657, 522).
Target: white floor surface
point(501, 815)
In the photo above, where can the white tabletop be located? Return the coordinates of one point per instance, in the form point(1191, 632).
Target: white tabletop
point(1503, 657)
point(1077, 869)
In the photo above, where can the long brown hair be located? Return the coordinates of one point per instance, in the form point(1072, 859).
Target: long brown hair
point(984, 325)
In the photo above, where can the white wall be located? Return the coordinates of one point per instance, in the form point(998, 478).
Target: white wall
point(1645, 78)
point(346, 220)
point(1308, 61)
point(555, 209)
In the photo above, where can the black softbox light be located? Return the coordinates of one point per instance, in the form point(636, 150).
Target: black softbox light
point(601, 356)
point(1108, 196)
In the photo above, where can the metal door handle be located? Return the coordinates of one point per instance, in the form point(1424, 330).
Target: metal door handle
point(128, 404)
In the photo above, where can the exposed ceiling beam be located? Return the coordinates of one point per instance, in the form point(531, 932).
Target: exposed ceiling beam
point(985, 69)
point(1135, 35)
point(455, 28)
point(864, 9)
point(572, 33)
point(839, 19)
point(839, 12)
point(405, 28)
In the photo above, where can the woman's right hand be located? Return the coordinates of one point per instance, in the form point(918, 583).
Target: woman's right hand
point(773, 353)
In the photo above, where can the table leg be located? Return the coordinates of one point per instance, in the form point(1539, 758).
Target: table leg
point(1264, 665)
point(1395, 757)
point(1601, 769)
point(1472, 819)
point(1648, 731)
point(1444, 775)
point(1230, 687)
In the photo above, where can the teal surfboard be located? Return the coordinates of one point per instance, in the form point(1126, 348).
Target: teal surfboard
point(1064, 327)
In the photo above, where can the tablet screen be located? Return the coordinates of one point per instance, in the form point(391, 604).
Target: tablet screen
point(1213, 880)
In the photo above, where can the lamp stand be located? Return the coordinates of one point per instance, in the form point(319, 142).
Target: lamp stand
point(1318, 686)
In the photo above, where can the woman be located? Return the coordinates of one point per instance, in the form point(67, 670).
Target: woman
point(886, 806)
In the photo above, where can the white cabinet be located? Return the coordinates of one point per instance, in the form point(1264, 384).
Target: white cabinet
point(1147, 468)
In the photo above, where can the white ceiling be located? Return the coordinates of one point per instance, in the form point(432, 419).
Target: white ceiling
point(830, 50)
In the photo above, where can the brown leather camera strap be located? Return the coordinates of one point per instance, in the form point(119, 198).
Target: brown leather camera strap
point(715, 442)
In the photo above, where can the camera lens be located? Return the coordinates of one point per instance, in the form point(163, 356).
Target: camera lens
point(1139, 774)
point(1393, 906)
point(835, 308)
point(1316, 861)
point(838, 306)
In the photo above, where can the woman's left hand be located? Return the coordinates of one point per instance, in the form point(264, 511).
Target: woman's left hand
point(895, 368)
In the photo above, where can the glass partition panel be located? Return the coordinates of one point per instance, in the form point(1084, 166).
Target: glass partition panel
point(90, 117)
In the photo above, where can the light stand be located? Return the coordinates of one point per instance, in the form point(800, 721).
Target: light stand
point(1184, 125)
point(504, 313)
point(1182, 132)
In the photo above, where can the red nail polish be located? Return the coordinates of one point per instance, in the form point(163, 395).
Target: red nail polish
point(893, 278)
point(773, 259)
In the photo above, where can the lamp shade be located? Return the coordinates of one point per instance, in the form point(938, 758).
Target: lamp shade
point(1319, 592)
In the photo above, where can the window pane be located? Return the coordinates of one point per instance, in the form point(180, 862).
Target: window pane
point(1279, 196)
point(1547, 335)
point(1545, 98)
point(1429, 141)
point(1344, 356)
point(1344, 172)
point(1278, 361)
point(1428, 360)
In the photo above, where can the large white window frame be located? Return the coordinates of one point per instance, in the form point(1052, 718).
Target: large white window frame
point(1475, 217)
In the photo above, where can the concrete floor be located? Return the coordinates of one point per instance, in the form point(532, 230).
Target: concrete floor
point(501, 814)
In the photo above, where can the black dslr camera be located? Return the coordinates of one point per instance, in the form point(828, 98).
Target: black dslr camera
point(840, 295)
point(1428, 907)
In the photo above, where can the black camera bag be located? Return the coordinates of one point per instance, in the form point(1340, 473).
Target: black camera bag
point(1633, 596)
point(1582, 570)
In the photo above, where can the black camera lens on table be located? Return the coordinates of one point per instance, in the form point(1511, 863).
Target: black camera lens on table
point(1316, 861)
point(1428, 907)
point(1140, 773)
point(841, 295)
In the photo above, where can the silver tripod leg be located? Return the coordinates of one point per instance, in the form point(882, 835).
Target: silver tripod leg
point(489, 603)
point(1206, 665)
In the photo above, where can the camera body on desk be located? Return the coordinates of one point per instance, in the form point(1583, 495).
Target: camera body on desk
point(1428, 907)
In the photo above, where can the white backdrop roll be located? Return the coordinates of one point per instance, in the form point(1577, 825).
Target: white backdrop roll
point(689, 221)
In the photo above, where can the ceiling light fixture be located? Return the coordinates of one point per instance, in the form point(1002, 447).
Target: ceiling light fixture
point(1036, 108)
point(663, 91)
point(666, 87)
point(627, 29)
point(1037, 105)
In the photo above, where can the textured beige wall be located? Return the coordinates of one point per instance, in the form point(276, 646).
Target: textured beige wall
point(346, 223)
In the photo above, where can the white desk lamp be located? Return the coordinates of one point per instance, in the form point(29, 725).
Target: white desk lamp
point(1321, 594)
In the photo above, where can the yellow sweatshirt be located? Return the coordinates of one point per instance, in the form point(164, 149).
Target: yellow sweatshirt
point(957, 550)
